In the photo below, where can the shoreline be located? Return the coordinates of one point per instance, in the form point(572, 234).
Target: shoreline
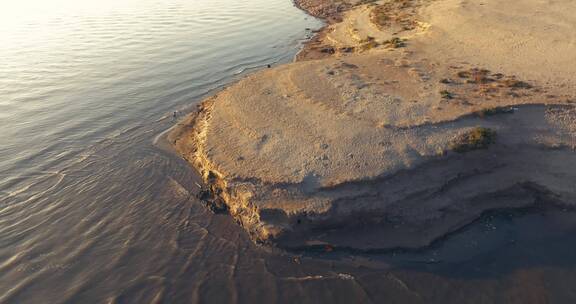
point(312, 49)
point(246, 146)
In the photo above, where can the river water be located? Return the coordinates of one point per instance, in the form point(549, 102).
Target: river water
point(92, 210)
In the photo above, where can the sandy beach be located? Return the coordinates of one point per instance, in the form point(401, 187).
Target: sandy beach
point(400, 122)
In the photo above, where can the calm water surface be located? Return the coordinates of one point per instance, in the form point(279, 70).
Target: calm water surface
point(92, 211)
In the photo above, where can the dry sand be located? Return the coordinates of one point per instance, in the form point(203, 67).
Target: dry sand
point(389, 141)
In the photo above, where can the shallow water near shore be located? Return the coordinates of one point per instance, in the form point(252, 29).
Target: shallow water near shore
point(92, 211)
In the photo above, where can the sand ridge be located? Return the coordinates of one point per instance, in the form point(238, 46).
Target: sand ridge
point(312, 151)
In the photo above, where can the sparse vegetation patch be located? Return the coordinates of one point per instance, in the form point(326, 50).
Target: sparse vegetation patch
point(487, 85)
point(395, 13)
point(394, 43)
point(475, 139)
point(496, 80)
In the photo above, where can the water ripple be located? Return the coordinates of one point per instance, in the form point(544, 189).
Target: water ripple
point(90, 210)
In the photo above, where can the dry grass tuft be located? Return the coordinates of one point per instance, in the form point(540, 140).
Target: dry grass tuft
point(446, 94)
point(475, 139)
point(494, 111)
point(368, 43)
point(394, 43)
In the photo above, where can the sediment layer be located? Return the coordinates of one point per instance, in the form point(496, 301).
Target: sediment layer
point(403, 133)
